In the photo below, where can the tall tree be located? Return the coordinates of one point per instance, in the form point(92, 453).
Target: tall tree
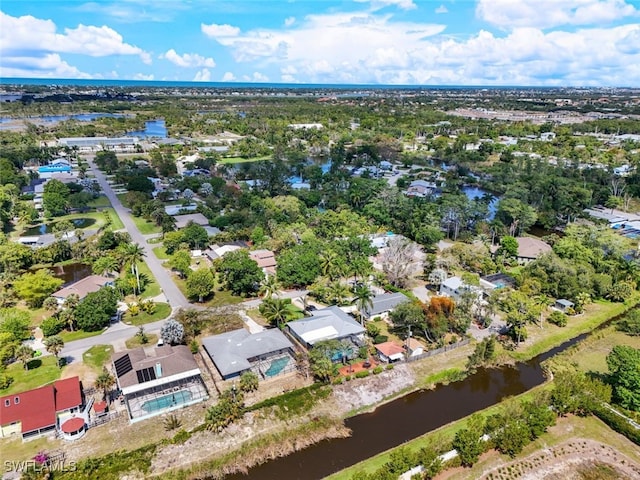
point(132, 254)
point(54, 345)
point(363, 300)
point(200, 283)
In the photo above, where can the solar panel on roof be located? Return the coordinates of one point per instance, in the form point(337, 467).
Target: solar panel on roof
point(146, 374)
point(123, 365)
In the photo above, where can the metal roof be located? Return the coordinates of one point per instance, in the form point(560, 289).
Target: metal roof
point(385, 302)
point(325, 324)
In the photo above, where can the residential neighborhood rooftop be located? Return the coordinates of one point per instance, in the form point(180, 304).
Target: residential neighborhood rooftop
point(325, 324)
point(83, 287)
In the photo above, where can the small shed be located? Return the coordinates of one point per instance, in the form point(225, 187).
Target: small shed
point(563, 304)
point(390, 352)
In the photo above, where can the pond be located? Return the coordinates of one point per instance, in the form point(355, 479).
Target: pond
point(152, 129)
point(45, 228)
point(474, 193)
point(407, 418)
point(70, 272)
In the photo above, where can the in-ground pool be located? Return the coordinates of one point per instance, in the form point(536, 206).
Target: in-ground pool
point(276, 366)
point(166, 401)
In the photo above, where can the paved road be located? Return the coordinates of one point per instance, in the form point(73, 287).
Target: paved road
point(171, 291)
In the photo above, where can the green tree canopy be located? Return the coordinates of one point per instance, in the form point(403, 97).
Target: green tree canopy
point(240, 273)
point(624, 368)
point(33, 288)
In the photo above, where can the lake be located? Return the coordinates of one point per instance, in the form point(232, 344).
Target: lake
point(153, 129)
point(70, 272)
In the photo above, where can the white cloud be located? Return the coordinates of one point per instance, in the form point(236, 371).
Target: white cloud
point(289, 21)
point(552, 13)
point(142, 76)
point(219, 31)
point(371, 47)
point(441, 9)
point(187, 60)
point(228, 77)
point(203, 75)
point(49, 65)
point(378, 4)
point(30, 34)
point(134, 11)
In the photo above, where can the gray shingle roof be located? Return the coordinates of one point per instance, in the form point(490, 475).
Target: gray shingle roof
point(325, 324)
point(173, 360)
point(385, 302)
point(232, 351)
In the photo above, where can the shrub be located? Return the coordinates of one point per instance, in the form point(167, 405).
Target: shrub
point(558, 318)
point(171, 423)
point(338, 381)
point(347, 378)
point(51, 326)
point(377, 370)
point(362, 374)
point(181, 437)
point(194, 347)
point(380, 339)
point(389, 367)
point(5, 381)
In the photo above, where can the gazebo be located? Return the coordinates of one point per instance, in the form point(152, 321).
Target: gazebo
point(73, 428)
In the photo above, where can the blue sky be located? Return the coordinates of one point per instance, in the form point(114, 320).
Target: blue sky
point(410, 42)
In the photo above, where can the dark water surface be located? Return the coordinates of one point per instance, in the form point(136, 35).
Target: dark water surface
point(71, 272)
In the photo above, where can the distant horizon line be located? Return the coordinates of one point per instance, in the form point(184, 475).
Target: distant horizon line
point(196, 84)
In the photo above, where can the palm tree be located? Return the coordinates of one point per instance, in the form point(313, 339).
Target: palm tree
point(71, 302)
point(132, 254)
point(269, 286)
point(338, 292)
point(51, 304)
point(542, 302)
point(328, 261)
point(54, 345)
point(24, 353)
point(104, 382)
point(105, 265)
point(363, 300)
point(275, 310)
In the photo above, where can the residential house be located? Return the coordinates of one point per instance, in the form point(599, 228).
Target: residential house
point(83, 287)
point(384, 304)
point(197, 218)
point(41, 410)
point(47, 171)
point(390, 352)
point(154, 384)
point(421, 188)
point(265, 259)
point(496, 281)
point(530, 248)
point(177, 209)
point(267, 353)
point(455, 287)
point(329, 323)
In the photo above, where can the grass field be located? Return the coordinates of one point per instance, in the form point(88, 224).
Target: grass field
point(220, 297)
point(78, 335)
point(134, 342)
point(146, 227)
point(100, 201)
point(542, 340)
point(590, 355)
point(116, 223)
point(152, 289)
point(161, 253)
point(233, 160)
point(97, 356)
point(163, 310)
point(42, 370)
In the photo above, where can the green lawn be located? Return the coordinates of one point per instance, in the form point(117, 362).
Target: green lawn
point(231, 160)
point(116, 223)
point(97, 356)
point(163, 310)
point(42, 370)
point(100, 201)
point(220, 297)
point(152, 289)
point(161, 253)
point(78, 335)
point(134, 342)
point(542, 340)
point(590, 355)
point(146, 227)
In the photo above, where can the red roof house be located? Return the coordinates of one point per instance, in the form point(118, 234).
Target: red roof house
point(35, 411)
point(390, 351)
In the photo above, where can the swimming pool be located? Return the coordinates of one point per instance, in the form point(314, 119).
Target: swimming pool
point(276, 366)
point(166, 401)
